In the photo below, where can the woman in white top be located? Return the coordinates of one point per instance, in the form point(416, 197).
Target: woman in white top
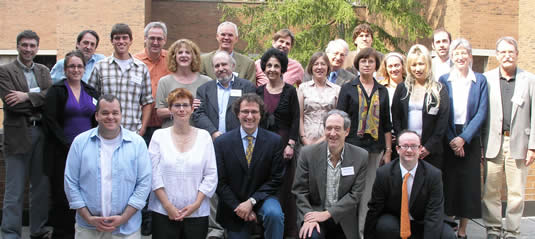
point(421, 104)
point(392, 72)
point(184, 174)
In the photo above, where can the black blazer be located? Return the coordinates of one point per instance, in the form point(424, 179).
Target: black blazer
point(237, 182)
point(434, 126)
point(286, 115)
point(54, 122)
point(348, 101)
point(426, 203)
point(207, 115)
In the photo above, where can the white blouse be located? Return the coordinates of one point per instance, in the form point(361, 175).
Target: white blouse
point(460, 90)
point(182, 175)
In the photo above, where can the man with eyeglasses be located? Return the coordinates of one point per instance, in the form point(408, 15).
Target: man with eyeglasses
point(250, 169)
point(127, 78)
point(337, 51)
point(87, 43)
point(407, 199)
point(509, 140)
point(329, 182)
point(23, 86)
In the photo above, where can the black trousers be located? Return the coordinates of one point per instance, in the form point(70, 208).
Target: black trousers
point(329, 229)
point(388, 227)
point(61, 217)
point(189, 228)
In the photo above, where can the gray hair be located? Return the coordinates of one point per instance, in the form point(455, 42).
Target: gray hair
point(337, 43)
point(460, 42)
point(508, 39)
point(151, 25)
point(347, 120)
point(228, 56)
point(228, 23)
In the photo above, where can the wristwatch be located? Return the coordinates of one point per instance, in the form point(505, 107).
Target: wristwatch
point(253, 201)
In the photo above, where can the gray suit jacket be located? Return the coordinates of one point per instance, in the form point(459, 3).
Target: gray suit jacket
point(310, 190)
point(244, 66)
point(522, 118)
point(342, 78)
point(17, 136)
point(207, 115)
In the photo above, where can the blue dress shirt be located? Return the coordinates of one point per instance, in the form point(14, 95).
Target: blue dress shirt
point(244, 138)
point(223, 95)
point(58, 71)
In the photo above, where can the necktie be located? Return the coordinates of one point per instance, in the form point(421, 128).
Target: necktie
point(332, 77)
point(249, 153)
point(405, 222)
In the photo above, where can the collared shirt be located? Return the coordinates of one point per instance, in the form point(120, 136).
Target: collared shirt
point(460, 91)
point(440, 68)
point(131, 177)
point(133, 87)
point(157, 70)
point(58, 71)
point(333, 179)
point(244, 140)
point(333, 76)
point(507, 88)
point(29, 75)
point(410, 181)
point(223, 95)
point(294, 73)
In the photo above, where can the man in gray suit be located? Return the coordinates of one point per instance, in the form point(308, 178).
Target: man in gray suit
point(337, 51)
point(510, 140)
point(23, 86)
point(215, 114)
point(329, 181)
point(227, 37)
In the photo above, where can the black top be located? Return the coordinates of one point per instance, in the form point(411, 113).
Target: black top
point(348, 101)
point(507, 88)
point(285, 116)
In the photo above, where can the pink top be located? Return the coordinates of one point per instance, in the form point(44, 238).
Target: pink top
point(293, 76)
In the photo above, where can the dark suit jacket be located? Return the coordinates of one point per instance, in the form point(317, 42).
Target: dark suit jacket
point(237, 182)
point(433, 126)
point(476, 111)
point(426, 204)
point(17, 136)
point(207, 115)
point(310, 179)
point(245, 67)
point(343, 77)
point(54, 122)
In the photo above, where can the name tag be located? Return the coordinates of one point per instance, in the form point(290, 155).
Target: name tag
point(517, 100)
point(95, 101)
point(346, 171)
point(235, 92)
point(235, 73)
point(35, 90)
point(136, 80)
point(433, 111)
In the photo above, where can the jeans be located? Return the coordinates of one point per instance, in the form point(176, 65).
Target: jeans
point(272, 220)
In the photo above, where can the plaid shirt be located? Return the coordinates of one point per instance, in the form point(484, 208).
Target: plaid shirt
point(131, 87)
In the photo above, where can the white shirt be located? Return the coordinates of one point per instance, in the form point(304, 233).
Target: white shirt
point(415, 115)
point(440, 68)
point(107, 147)
point(123, 64)
point(460, 89)
point(410, 181)
point(182, 175)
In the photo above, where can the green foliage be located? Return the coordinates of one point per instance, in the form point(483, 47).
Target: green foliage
point(316, 22)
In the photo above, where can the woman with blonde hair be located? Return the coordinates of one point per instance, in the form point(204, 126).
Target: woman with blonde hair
point(421, 104)
point(184, 63)
point(392, 72)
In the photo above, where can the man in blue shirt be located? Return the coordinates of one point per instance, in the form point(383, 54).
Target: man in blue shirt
point(108, 176)
point(87, 43)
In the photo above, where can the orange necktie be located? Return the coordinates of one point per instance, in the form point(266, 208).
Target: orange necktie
point(405, 221)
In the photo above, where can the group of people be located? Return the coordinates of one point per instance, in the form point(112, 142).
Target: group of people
point(355, 145)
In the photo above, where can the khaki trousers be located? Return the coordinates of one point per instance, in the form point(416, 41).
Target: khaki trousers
point(84, 233)
point(515, 173)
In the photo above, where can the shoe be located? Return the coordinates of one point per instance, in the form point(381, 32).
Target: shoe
point(45, 235)
point(493, 236)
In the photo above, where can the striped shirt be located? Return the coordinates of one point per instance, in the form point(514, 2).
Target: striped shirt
point(333, 180)
point(132, 87)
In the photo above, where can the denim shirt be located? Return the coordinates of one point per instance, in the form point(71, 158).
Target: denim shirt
point(58, 71)
point(131, 177)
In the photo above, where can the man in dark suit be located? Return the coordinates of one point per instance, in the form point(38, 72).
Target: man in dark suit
point(424, 190)
point(215, 114)
point(250, 169)
point(227, 37)
point(329, 182)
point(23, 86)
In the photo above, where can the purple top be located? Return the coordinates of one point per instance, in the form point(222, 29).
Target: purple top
point(271, 101)
point(77, 114)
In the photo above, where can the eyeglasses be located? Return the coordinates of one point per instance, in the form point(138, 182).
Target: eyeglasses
point(247, 112)
point(185, 105)
point(413, 147)
point(155, 39)
point(75, 66)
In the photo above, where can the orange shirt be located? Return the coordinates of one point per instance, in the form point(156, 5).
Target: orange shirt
point(157, 70)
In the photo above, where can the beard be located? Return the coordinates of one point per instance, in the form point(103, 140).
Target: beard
point(224, 80)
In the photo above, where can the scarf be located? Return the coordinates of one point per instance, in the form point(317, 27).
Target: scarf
point(368, 115)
